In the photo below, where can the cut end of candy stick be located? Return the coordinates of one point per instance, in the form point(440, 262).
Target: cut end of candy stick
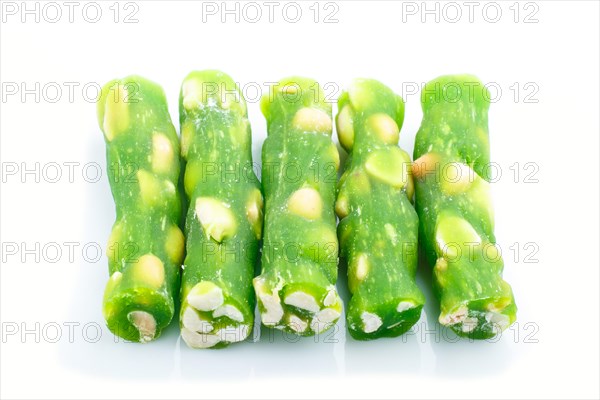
point(299, 311)
point(478, 323)
point(204, 329)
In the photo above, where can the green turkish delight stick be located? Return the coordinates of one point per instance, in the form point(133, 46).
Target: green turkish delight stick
point(378, 225)
point(296, 289)
point(454, 205)
point(224, 220)
point(146, 246)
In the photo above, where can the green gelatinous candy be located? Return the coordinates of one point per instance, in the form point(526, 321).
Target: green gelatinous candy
point(453, 202)
point(224, 219)
point(146, 246)
point(296, 288)
point(379, 226)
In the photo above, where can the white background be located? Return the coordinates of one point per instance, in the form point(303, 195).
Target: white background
point(551, 352)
